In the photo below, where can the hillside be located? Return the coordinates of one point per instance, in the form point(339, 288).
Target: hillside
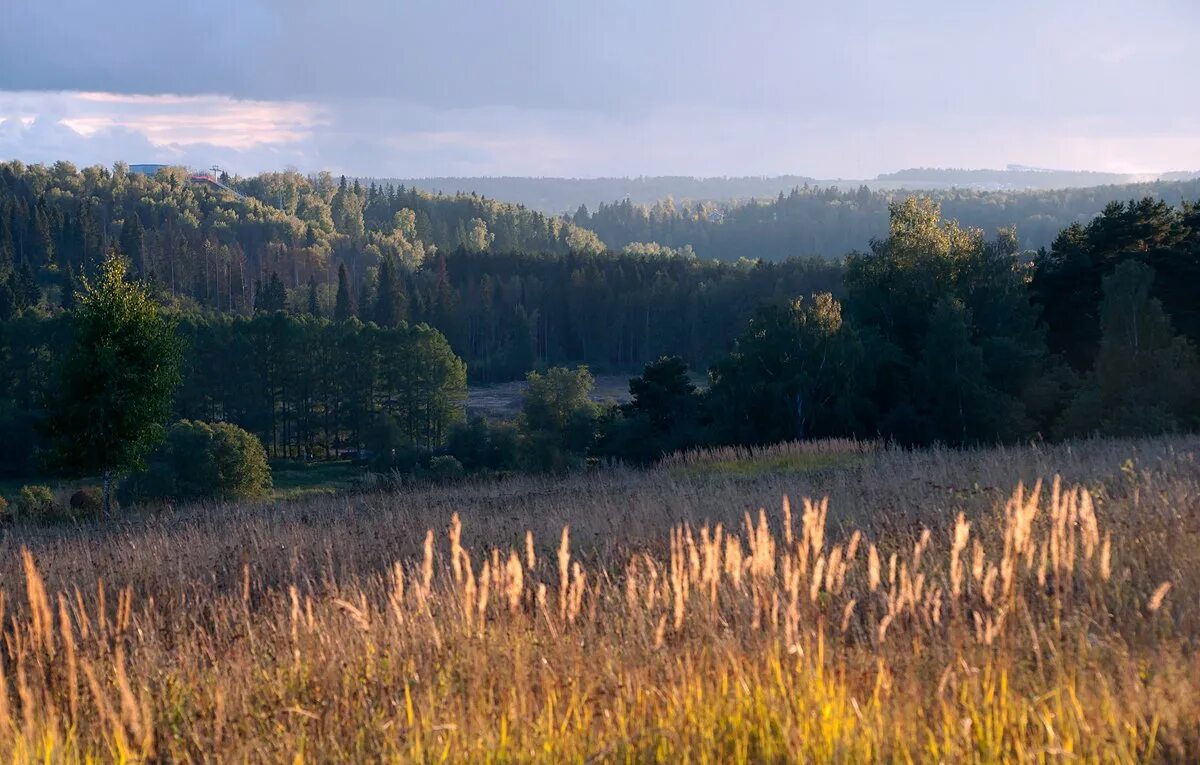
point(829, 221)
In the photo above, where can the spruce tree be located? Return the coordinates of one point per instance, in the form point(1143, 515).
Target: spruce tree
point(388, 295)
point(342, 308)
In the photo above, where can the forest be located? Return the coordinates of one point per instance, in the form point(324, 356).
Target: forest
point(827, 221)
point(341, 321)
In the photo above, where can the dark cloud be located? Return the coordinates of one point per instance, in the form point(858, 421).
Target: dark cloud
point(629, 86)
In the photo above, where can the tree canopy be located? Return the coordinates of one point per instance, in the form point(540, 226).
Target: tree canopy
point(116, 380)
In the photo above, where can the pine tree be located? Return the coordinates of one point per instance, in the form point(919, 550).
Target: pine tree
point(389, 295)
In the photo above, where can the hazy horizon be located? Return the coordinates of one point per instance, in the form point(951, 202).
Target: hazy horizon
point(544, 89)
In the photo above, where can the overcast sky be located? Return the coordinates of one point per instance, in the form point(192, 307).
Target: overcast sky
point(843, 88)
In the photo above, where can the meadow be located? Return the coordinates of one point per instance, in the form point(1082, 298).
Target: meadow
point(1031, 604)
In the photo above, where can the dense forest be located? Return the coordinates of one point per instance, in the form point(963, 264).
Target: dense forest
point(543, 294)
point(325, 338)
point(208, 248)
point(830, 222)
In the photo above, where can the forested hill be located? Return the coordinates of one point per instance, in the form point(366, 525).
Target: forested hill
point(559, 195)
point(211, 246)
point(831, 222)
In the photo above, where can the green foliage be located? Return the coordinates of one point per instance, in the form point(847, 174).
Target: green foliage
point(117, 378)
point(389, 299)
point(445, 468)
point(949, 328)
point(1146, 379)
point(270, 297)
point(342, 308)
point(1068, 281)
point(663, 416)
point(504, 444)
point(37, 501)
point(312, 388)
point(797, 372)
point(558, 419)
point(482, 446)
point(389, 447)
point(199, 460)
point(830, 221)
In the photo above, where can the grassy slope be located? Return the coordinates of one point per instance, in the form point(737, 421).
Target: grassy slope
point(269, 631)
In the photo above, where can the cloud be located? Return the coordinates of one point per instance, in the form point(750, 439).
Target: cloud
point(624, 87)
point(383, 137)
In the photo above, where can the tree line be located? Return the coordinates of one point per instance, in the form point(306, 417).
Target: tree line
point(940, 336)
point(829, 221)
point(936, 333)
point(209, 248)
point(308, 388)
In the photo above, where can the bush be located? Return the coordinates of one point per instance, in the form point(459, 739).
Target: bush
point(481, 445)
point(446, 468)
point(558, 419)
point(199, 460)
point(87, 501)
point(36, 501)
point(389, 450)
point(468, 443)
point(504, 447)
point(3, 507)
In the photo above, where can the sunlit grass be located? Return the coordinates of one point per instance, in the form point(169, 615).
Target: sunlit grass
point(1051, 622)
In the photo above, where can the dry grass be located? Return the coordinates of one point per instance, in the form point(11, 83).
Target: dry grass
point(939, 606)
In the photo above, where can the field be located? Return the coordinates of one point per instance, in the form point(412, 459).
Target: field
point(1018, 604)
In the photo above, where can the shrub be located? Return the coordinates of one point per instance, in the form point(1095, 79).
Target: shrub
point(468, 443)
point(87, 501)
point(199, 460)
point(504, 446)
point(37, 501)
point(558, 419)
point(389, 448)
point(481, 445)
point(446, 468)
point(3, 507)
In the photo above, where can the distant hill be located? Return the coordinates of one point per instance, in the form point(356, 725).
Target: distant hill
point(564, 195)
point(561, 195)
point(1015, 177)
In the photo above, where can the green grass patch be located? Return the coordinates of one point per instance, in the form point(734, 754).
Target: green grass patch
point(293, 479)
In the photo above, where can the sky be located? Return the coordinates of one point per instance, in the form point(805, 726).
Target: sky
point(406, 88)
